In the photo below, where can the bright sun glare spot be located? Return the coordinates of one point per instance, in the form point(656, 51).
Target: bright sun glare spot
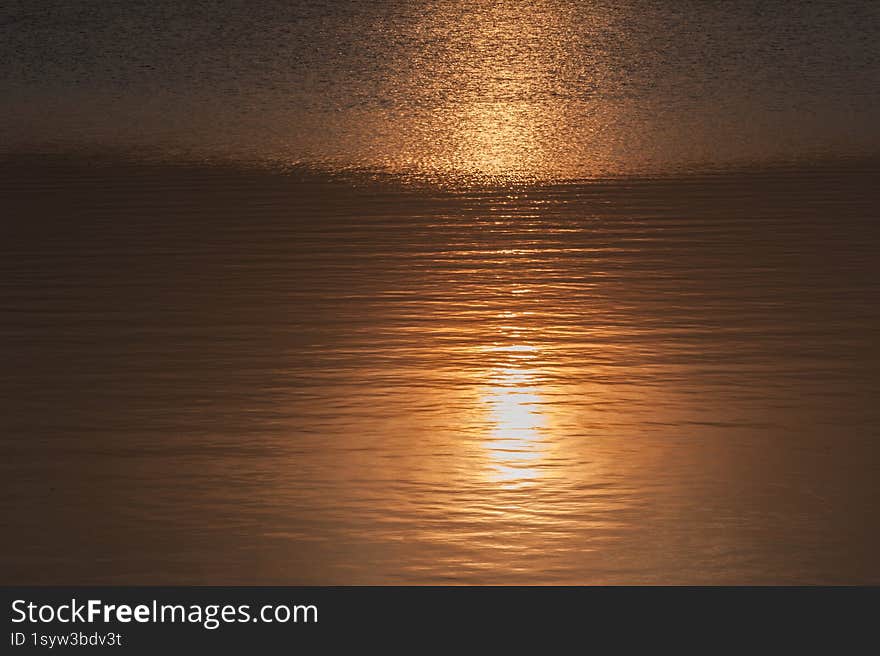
point(514, 348)
point(515, 442)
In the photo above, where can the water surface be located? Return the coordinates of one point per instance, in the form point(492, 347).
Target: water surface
point(462, 291)
point(559, 89)
point(215, 374)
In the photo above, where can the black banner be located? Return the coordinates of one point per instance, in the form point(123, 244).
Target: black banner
point(177, 620)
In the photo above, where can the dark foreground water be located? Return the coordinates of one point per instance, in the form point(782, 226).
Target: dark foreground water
point(219, 375)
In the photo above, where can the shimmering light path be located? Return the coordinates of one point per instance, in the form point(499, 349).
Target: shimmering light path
point(216, 374)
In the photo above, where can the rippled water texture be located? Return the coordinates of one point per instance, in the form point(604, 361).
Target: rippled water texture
point(439, 291)
point(220, 375)
point(455, 88)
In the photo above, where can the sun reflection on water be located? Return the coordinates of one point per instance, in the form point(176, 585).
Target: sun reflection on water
point(516, 442)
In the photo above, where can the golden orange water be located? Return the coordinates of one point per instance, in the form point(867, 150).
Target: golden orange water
point(439, 291)
point(515, 443)
point(453, 90)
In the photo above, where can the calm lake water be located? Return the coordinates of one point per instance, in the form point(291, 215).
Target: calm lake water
point(221, 375)
point(439, 292)
point(558, 89)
